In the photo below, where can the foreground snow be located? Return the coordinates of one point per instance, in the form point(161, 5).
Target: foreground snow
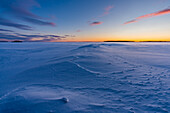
point(84, 77)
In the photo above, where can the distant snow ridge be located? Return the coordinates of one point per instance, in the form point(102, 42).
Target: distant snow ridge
point(98, 46)
point(90, 46)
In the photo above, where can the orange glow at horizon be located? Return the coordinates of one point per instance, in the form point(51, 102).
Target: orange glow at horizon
point(115, 39)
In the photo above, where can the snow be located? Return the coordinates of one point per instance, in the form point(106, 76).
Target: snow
point(67, 77)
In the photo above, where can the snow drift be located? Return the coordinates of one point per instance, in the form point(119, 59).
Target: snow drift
point(84, 77)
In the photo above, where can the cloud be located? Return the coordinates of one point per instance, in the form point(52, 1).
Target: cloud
point(10, 37)
point(21, 10)
point(19, 7)
point(131, 21)
point(32, 38)
point(78, 30)
point(38, 22)
point(158, 13)
point(162, 12)
point(6, 30)
point(95, 23)
point(107, 10)
point(5, 22)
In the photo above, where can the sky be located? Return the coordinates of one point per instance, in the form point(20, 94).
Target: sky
point(84, 20)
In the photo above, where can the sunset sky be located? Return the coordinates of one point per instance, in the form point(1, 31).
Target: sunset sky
point(84, 20)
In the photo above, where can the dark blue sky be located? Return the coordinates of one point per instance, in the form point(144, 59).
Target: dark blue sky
point(84, 20)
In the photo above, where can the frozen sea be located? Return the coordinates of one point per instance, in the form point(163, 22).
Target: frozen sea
point(62, 77)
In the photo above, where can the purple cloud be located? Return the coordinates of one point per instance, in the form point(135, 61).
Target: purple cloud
point(32, 38)
point(6, 30)
point(38, 22)
point(21, 10)
point(5, 22)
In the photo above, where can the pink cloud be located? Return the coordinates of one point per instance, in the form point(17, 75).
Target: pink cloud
point(78, 30)
point(132, 21)
point(158, 13)
point(52, 24)
point(107, 10)
point(51, 17)
point(96, 23)
point(165, 11)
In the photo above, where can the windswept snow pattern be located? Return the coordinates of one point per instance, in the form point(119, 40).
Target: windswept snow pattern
point(84, 77)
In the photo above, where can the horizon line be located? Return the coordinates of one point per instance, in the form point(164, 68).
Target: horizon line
point(96, 41)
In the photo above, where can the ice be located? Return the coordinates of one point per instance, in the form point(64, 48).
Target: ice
point(67, 77)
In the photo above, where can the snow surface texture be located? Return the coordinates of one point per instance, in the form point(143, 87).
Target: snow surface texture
point(84, 77)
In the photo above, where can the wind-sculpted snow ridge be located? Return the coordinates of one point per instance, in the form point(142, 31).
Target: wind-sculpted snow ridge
point(36, 96)
point(96, 46)
point(84, 78)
